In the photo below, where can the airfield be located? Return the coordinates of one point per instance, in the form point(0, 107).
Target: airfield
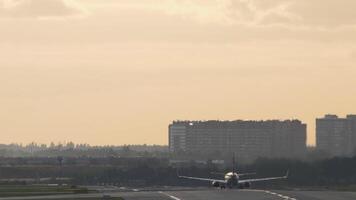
point(196, 194)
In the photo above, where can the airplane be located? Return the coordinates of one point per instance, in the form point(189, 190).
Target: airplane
point(232, 179)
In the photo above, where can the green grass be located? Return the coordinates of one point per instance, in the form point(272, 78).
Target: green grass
point(34, 190)
point(345, 188)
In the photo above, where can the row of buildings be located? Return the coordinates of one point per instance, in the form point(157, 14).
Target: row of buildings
point(272, 138)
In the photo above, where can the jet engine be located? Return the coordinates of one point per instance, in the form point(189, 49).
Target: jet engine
point(215, 184)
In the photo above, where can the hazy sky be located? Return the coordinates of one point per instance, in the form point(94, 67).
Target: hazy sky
point(119, 71)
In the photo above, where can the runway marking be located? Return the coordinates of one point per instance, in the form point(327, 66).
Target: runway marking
point(170, 196)
point(265, 191)
point(279, 195)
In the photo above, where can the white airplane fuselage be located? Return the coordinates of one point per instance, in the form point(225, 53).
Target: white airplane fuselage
point(232, 179)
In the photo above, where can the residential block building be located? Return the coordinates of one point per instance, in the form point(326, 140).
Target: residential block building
point(336, 136)
point(247, 139)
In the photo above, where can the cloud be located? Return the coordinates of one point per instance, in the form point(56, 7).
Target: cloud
point(294, 13)
point(306, 13)
point(37, 8)
point(226, 12)
point(325, 13)
point(190, 21)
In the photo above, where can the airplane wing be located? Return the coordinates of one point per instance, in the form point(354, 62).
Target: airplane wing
point(264, 179)
point(203, 179)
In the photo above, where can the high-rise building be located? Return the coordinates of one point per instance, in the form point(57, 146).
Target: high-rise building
point(177, 137)
point(336, 136)
point(247, 139)
point(352, 128)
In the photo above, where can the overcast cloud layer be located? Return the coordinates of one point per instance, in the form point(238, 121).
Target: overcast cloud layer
point(305, 13)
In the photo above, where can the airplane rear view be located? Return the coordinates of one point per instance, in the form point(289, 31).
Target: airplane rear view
point(232, 179)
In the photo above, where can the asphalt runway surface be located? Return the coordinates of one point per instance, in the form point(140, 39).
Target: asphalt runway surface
point(208, 194)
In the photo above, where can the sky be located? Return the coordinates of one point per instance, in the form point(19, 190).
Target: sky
point(119, 71)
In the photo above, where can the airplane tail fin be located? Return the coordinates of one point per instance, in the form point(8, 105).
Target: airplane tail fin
point(233, 163)
point(287, 174)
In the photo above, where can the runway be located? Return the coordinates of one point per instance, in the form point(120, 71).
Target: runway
point(210, 195)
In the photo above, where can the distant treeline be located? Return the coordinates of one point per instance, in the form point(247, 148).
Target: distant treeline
point(76, 150)
point(158, 171)
point(71, 149)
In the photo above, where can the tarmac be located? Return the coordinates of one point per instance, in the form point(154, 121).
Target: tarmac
point(204, 194)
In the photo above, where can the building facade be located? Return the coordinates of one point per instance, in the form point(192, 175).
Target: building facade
point(247, 139)
point(177, 137)
point(336, 136)
point(352, 129)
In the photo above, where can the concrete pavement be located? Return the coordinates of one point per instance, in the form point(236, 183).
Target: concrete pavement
point(209, 194)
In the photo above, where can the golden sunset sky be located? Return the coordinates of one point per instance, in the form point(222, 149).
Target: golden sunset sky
point(119, 71)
